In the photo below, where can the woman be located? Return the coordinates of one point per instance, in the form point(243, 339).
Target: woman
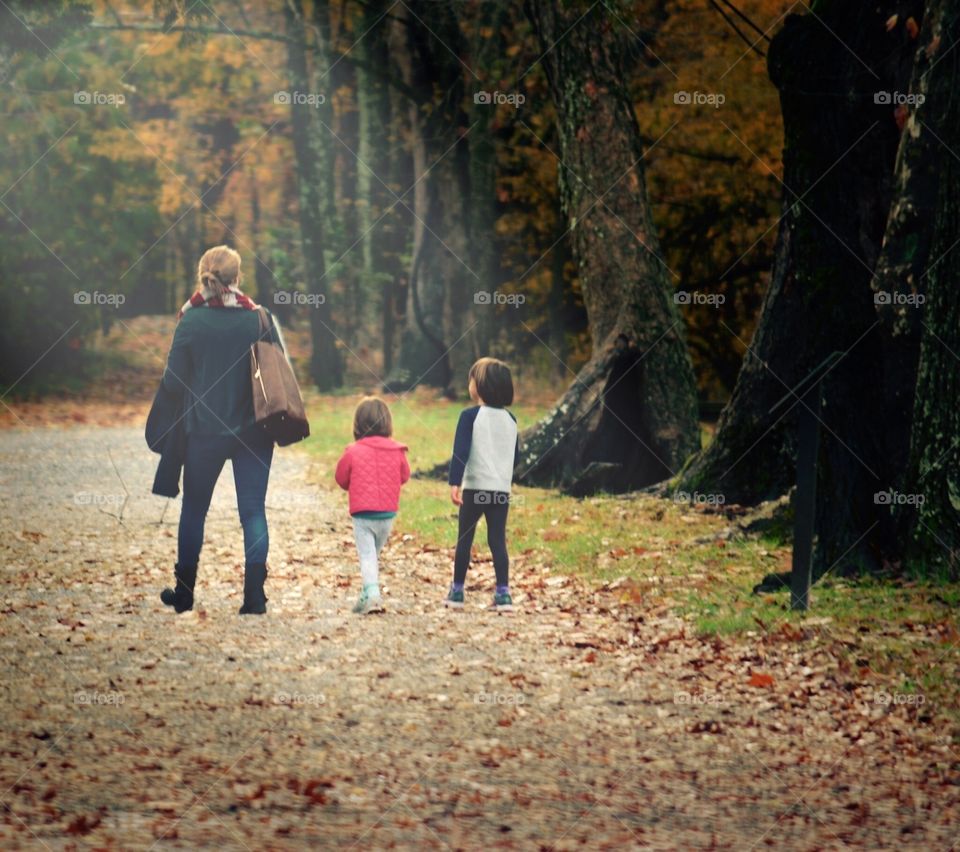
point(209, 364)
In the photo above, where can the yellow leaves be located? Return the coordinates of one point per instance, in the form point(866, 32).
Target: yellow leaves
point(115, 144)
point(173, 198)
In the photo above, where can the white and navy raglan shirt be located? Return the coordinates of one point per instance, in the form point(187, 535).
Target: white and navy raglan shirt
point(485, 449)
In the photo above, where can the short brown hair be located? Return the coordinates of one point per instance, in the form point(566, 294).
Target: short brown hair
point(372, 417)
point(494, 382)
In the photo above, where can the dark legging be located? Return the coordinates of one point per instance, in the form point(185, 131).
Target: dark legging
point(493, 505)
point(251, 454)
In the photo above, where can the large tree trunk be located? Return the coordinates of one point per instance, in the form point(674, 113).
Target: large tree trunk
point(899, 281)
point(339, 181)
point(649, 431)
point(438, 267)
point(325, 365)
point(488, 59)
point(374, 118)
point(934, 451)
point(838, 149)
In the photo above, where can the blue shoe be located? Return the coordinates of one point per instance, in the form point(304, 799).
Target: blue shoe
point(369, 601)
point(454, 599)
point(502, 603)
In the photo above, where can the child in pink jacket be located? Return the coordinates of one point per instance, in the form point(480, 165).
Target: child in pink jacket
point(372, 469)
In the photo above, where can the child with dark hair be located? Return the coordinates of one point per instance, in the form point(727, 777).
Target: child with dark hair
point(372, 470)
point(485, 452)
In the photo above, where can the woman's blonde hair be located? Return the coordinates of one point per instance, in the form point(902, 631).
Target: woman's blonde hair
point(218, 270)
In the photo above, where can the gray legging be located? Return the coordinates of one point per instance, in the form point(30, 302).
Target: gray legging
point(493, 505)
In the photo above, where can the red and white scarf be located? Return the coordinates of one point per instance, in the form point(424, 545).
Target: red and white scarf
point(233, 298)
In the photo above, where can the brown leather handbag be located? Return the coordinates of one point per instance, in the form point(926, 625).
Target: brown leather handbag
point(277, 403)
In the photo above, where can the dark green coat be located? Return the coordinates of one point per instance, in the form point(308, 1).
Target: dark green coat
point(210, 361)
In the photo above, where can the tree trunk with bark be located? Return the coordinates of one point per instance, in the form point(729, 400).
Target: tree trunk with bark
point(587, 443)
point(824, 234)
point(899, 281)
point(839, 154)
point(422, 37)
point(932, 496)
point(373, 171)
point(326, 368)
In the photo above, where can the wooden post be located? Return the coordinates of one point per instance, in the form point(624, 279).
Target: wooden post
point(808, 442)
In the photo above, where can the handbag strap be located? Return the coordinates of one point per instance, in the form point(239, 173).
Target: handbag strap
point(264, 326)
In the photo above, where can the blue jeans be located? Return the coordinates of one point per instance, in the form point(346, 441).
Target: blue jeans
point(251, 454)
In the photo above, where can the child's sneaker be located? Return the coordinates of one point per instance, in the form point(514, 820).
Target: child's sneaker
point(369, 601)
point(502, 602)
point(454, 599)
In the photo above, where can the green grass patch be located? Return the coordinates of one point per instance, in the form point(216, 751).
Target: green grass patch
point(667, 555)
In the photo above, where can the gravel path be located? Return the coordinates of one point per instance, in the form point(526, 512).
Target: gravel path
point(581, 721)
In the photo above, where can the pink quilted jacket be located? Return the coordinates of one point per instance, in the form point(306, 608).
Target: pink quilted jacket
point(372, 470)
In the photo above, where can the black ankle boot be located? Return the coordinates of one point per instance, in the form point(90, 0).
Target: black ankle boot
point(254, 600)
point(181, 599)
